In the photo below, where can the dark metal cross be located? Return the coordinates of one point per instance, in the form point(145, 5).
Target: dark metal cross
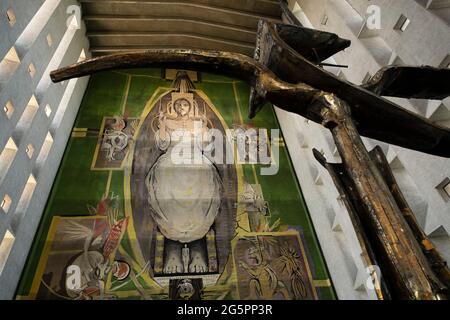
point(287, 72)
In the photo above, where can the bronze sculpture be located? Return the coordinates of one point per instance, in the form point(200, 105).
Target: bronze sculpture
point(286, 72)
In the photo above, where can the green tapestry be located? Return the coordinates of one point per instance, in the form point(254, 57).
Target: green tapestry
point(139, 211)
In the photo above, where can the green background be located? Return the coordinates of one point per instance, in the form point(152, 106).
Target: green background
point(76, 185)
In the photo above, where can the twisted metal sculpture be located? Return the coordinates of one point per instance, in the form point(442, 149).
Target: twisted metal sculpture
point(286, 72)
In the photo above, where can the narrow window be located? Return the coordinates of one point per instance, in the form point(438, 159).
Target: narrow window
point(27, 116)
point(444, 189)
point(6, 158)
point(25, 199)
point(402, 23)
point(5, 249)
point(6, 203)
point(10, 15)
point(30, 150)
point(32, 70)
point(48, 110)
point(46, 147)
point(9, 109)
point(447, 189)
point(82, 56)
point(12, 56)
point(9, 64)
point(49, 40)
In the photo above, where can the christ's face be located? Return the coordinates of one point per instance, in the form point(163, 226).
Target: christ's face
point(182, 107)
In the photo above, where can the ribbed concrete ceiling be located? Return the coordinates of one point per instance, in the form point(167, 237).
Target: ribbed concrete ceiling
point(228, 25)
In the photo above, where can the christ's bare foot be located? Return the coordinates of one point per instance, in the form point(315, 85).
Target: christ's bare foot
point(173, 263)
point(198, 259)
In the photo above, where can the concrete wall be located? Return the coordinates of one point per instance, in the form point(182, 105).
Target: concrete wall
point(54, 106)
point(426, 41)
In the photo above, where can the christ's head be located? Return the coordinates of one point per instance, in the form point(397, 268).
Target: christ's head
point(182, 107)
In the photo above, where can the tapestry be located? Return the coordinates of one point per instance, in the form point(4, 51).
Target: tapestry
point(168, 191)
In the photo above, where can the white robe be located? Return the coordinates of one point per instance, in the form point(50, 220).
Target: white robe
point(185, 199)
